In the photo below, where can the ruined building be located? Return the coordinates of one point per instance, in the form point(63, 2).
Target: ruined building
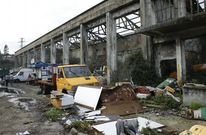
point(171, 34)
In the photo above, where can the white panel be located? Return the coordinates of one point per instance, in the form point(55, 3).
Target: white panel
point(110, 127)
point(88, 96)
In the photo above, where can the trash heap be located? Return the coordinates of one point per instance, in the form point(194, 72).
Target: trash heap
point(103, 110)
point(97, 110)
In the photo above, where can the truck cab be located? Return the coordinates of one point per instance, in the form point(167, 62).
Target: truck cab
point(70, 76)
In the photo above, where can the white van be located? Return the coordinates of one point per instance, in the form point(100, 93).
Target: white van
point(23, 74)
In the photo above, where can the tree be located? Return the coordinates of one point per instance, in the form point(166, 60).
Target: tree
point(6, 50)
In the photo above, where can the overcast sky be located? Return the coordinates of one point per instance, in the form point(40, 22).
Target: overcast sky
point(30, 19)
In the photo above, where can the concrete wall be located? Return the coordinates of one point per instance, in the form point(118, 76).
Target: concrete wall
point(194, 94)
point(164, 51)
point(126, 46)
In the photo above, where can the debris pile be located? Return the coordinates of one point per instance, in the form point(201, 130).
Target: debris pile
point(120, 100)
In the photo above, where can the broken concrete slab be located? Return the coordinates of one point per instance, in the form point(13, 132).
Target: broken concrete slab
point(93, 113)
point(109, 128)
point(88, 96)
point(97, 118)
point(82, 110)
point(23, 133)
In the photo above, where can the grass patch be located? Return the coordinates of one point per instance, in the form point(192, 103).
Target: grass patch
point(53, 114)
point(167, 102)
point(195, 106)
point(148, 131)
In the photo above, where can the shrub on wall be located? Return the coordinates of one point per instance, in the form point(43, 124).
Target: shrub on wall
point(141, 71)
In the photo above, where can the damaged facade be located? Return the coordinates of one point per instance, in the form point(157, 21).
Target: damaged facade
point(170, 34)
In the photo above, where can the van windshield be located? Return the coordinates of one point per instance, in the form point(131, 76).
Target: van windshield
point(71, 72)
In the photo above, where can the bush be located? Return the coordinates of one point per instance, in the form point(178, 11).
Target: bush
point(142, 72)
point(148, 131)
point(167, 102)
point(53, 114)
point(81, 126)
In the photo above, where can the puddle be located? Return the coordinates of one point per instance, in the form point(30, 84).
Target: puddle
point(10, 91)
point(24, 103)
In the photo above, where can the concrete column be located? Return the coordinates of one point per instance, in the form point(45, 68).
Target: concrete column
point(35, 55)
point(43, 59)
point(53, 52)
point(24, 57)
point(148, 18)
point(180, 58)
point(22, 60)
point(16, 61)
point(83, 45)
point(111, 47)
point(28, 60)
point(65, 49)
point(181, 8)
point(147, 13)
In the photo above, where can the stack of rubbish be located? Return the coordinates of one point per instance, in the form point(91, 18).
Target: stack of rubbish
point(104, 108)
point(126, 126)
point(168, 87)
point(120, 100)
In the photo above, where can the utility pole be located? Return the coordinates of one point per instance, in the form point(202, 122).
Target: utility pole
point(21, 42)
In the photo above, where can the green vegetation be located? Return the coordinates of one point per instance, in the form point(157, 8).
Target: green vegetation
point(195, 106)
point(53, 114)
point(81, 126)
point(167, 102)
point(148, 131)
point(142, 71)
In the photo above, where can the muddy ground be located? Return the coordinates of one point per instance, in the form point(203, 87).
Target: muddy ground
point(14, 119)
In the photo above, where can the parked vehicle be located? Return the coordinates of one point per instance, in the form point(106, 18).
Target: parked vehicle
point(66, 78)
point(23, 74)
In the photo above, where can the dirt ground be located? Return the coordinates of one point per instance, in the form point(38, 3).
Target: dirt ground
point(14, 119)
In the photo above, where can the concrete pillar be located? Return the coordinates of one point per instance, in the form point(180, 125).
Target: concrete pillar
point(24, 57)
point(35, 55)
point(22, 60)
point(180, 58)
point(111, 47)
point(28, 60)
point(147, 13)
point(148, 18)
point(83, 45)
point(181, 8)
point(65, 49)
point(53, 52)
point(16, 61)
point(43, 59)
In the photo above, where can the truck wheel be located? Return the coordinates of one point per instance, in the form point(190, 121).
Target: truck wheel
point(64, 91)
point(17, 81)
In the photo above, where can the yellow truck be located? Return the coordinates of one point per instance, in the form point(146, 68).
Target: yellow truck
point(66, 78)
